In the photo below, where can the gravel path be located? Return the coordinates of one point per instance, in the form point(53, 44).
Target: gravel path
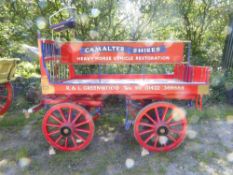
point(207, 150)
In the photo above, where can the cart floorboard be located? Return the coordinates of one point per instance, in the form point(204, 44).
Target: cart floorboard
point(129, 81)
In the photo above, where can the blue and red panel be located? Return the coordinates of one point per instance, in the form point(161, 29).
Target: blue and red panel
point(122, 52)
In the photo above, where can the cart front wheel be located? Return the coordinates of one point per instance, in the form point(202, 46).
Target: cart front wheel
point(160, 127)
point(6, 95)
point(68, 127)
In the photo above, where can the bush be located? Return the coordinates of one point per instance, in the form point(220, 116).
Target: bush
point(221, 87)
point(26, 69)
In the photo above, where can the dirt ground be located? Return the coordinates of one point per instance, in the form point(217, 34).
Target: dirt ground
point(207, 150)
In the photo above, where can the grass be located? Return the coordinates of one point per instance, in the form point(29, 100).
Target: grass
point(62, 157)
point(214, 112)
point(162, 170)
point(15, 117)
point(22, 152)
point(3, 153)
point(14, 153)
point(212, 154)
point(9, 121)
point(141, 171)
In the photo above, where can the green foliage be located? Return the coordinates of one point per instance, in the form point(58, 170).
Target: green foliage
point(27, 69)
point(204, 23)
point(123, 69)
point(229, 79)
point(201, 21)
point(221, 85)
point(217, 88)
point(210, 112)
point(9, 122)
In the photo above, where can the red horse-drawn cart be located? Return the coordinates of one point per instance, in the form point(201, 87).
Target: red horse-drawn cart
point(7, 70)
point(75, 98)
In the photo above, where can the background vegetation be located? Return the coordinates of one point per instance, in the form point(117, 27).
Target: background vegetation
point(23, 149)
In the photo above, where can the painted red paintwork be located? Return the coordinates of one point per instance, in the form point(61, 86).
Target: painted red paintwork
point(6, 96)
point(188, 83)
point(71, 53)
point(177, 128)
point(190, 77)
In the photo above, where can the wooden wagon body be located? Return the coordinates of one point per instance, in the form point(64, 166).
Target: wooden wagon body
point(7, 71)
point(76, 98)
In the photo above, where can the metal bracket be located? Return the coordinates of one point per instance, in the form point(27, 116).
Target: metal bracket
point(128, 123)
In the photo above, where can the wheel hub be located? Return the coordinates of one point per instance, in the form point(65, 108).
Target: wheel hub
point(66, 131)
point(162, 131)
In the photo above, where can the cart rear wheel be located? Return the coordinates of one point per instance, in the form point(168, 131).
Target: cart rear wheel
point(160, 127)
point(68, 127)
point(6, 95)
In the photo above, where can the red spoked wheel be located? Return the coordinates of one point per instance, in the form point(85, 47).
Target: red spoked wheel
point(6, 95)
point(160, 127)
point(68, 127)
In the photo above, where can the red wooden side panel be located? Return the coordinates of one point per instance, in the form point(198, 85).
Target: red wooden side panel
point(179, 71)
point(201, 74)
point(122, 52)
point(94, 89)
point(189, 73)
point(196, 74)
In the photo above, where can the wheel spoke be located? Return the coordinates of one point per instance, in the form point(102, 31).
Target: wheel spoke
point(156, 141)
point(79, 137)
point(157, 114)
point(165, 113)
point(150, 137)
point(169, 119)
point(76, 118)
point(58, 139)
point(83, 130)
point(181, 122)
point(52, 125)
point(53, 132)
point(150, 118)
point(56, 118)
point(146, 131)
point(70, 112)
point(175, 131)
point(62, 114)
point(82, 123)
point(171, 137)
point(146, 124)
point(66, 142)
point(73, 140)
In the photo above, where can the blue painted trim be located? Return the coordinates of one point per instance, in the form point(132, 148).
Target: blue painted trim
point(189, 52)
